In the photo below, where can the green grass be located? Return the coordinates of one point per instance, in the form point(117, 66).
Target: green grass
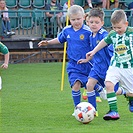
point(33, 103)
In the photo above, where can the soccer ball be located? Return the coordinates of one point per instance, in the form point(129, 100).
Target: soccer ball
point(84, 112)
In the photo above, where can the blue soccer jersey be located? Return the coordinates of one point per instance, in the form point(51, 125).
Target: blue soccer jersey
point(77, 42)
point(101, 58)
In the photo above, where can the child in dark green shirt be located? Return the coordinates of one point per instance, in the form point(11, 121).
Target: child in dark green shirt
point(5, 52)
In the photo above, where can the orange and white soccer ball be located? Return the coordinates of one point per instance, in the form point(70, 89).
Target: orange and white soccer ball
point(84, 112)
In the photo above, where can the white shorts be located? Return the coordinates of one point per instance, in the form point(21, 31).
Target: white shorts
point(123, 76)
point(0, 83)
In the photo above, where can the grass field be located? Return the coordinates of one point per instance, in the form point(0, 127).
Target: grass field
point(31, 102)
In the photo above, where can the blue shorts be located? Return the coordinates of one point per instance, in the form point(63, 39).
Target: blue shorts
point(78, 72)
point(93, 74)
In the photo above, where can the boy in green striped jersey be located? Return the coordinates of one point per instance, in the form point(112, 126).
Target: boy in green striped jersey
point(5, 52)
point(121, 66)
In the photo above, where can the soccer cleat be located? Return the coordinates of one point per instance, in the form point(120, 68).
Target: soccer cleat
point(103, 94)
point(96, 114)
point(84, 95)
point(73, 114)
point(131, 105)
point(111, 115)
point(98, 99)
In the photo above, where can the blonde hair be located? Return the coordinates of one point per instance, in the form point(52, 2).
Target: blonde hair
point(118, 16)
point(75, 9)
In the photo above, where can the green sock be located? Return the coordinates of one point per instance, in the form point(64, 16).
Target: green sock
point(112, 101)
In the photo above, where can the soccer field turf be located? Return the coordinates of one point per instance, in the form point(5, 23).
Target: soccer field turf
point(31, 102)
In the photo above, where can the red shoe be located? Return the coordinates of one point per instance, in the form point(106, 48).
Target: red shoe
point(98, 99)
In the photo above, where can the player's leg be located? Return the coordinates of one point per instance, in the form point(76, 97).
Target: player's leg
point(98, 90)
point(77, 81)
point(75, 85)
point(76, 94)
point(127, 84)
point(110, 81)
point(119, 89)
point(112, 101)
point(91, 92)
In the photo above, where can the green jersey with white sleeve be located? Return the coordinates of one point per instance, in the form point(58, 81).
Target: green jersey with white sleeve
point(123, 48)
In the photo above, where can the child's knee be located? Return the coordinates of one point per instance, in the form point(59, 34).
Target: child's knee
point(129, 94)
point(109, 86)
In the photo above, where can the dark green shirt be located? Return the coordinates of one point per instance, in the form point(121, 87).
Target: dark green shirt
point(3, 48)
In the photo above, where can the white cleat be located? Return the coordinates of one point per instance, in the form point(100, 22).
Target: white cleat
point(73, 114)
point(103, 94)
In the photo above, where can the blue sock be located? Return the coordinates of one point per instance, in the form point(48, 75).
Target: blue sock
point(98, 88)
point(92, 98)
point(122, 91)
point(76, 95)
point(116, 87)
point(97, 94)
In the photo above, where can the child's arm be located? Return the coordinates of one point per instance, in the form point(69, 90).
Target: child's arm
point(5, 65)
point(101, 45)
point(46, 42)
point(90, 54)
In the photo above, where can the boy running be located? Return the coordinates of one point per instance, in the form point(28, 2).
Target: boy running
point(78, 44)
point(95, 20)
point(121, 67)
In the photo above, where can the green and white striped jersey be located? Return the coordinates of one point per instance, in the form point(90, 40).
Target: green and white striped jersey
point(3, 48)
point(123, 48)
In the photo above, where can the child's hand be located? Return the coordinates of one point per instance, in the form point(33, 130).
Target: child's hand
point(5, 66)
point(43, 43)
point(89, 55)
point(82, 61)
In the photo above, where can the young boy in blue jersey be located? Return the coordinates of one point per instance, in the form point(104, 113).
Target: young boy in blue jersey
point(95, 20)
point(121, 66)
point(78, 44)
